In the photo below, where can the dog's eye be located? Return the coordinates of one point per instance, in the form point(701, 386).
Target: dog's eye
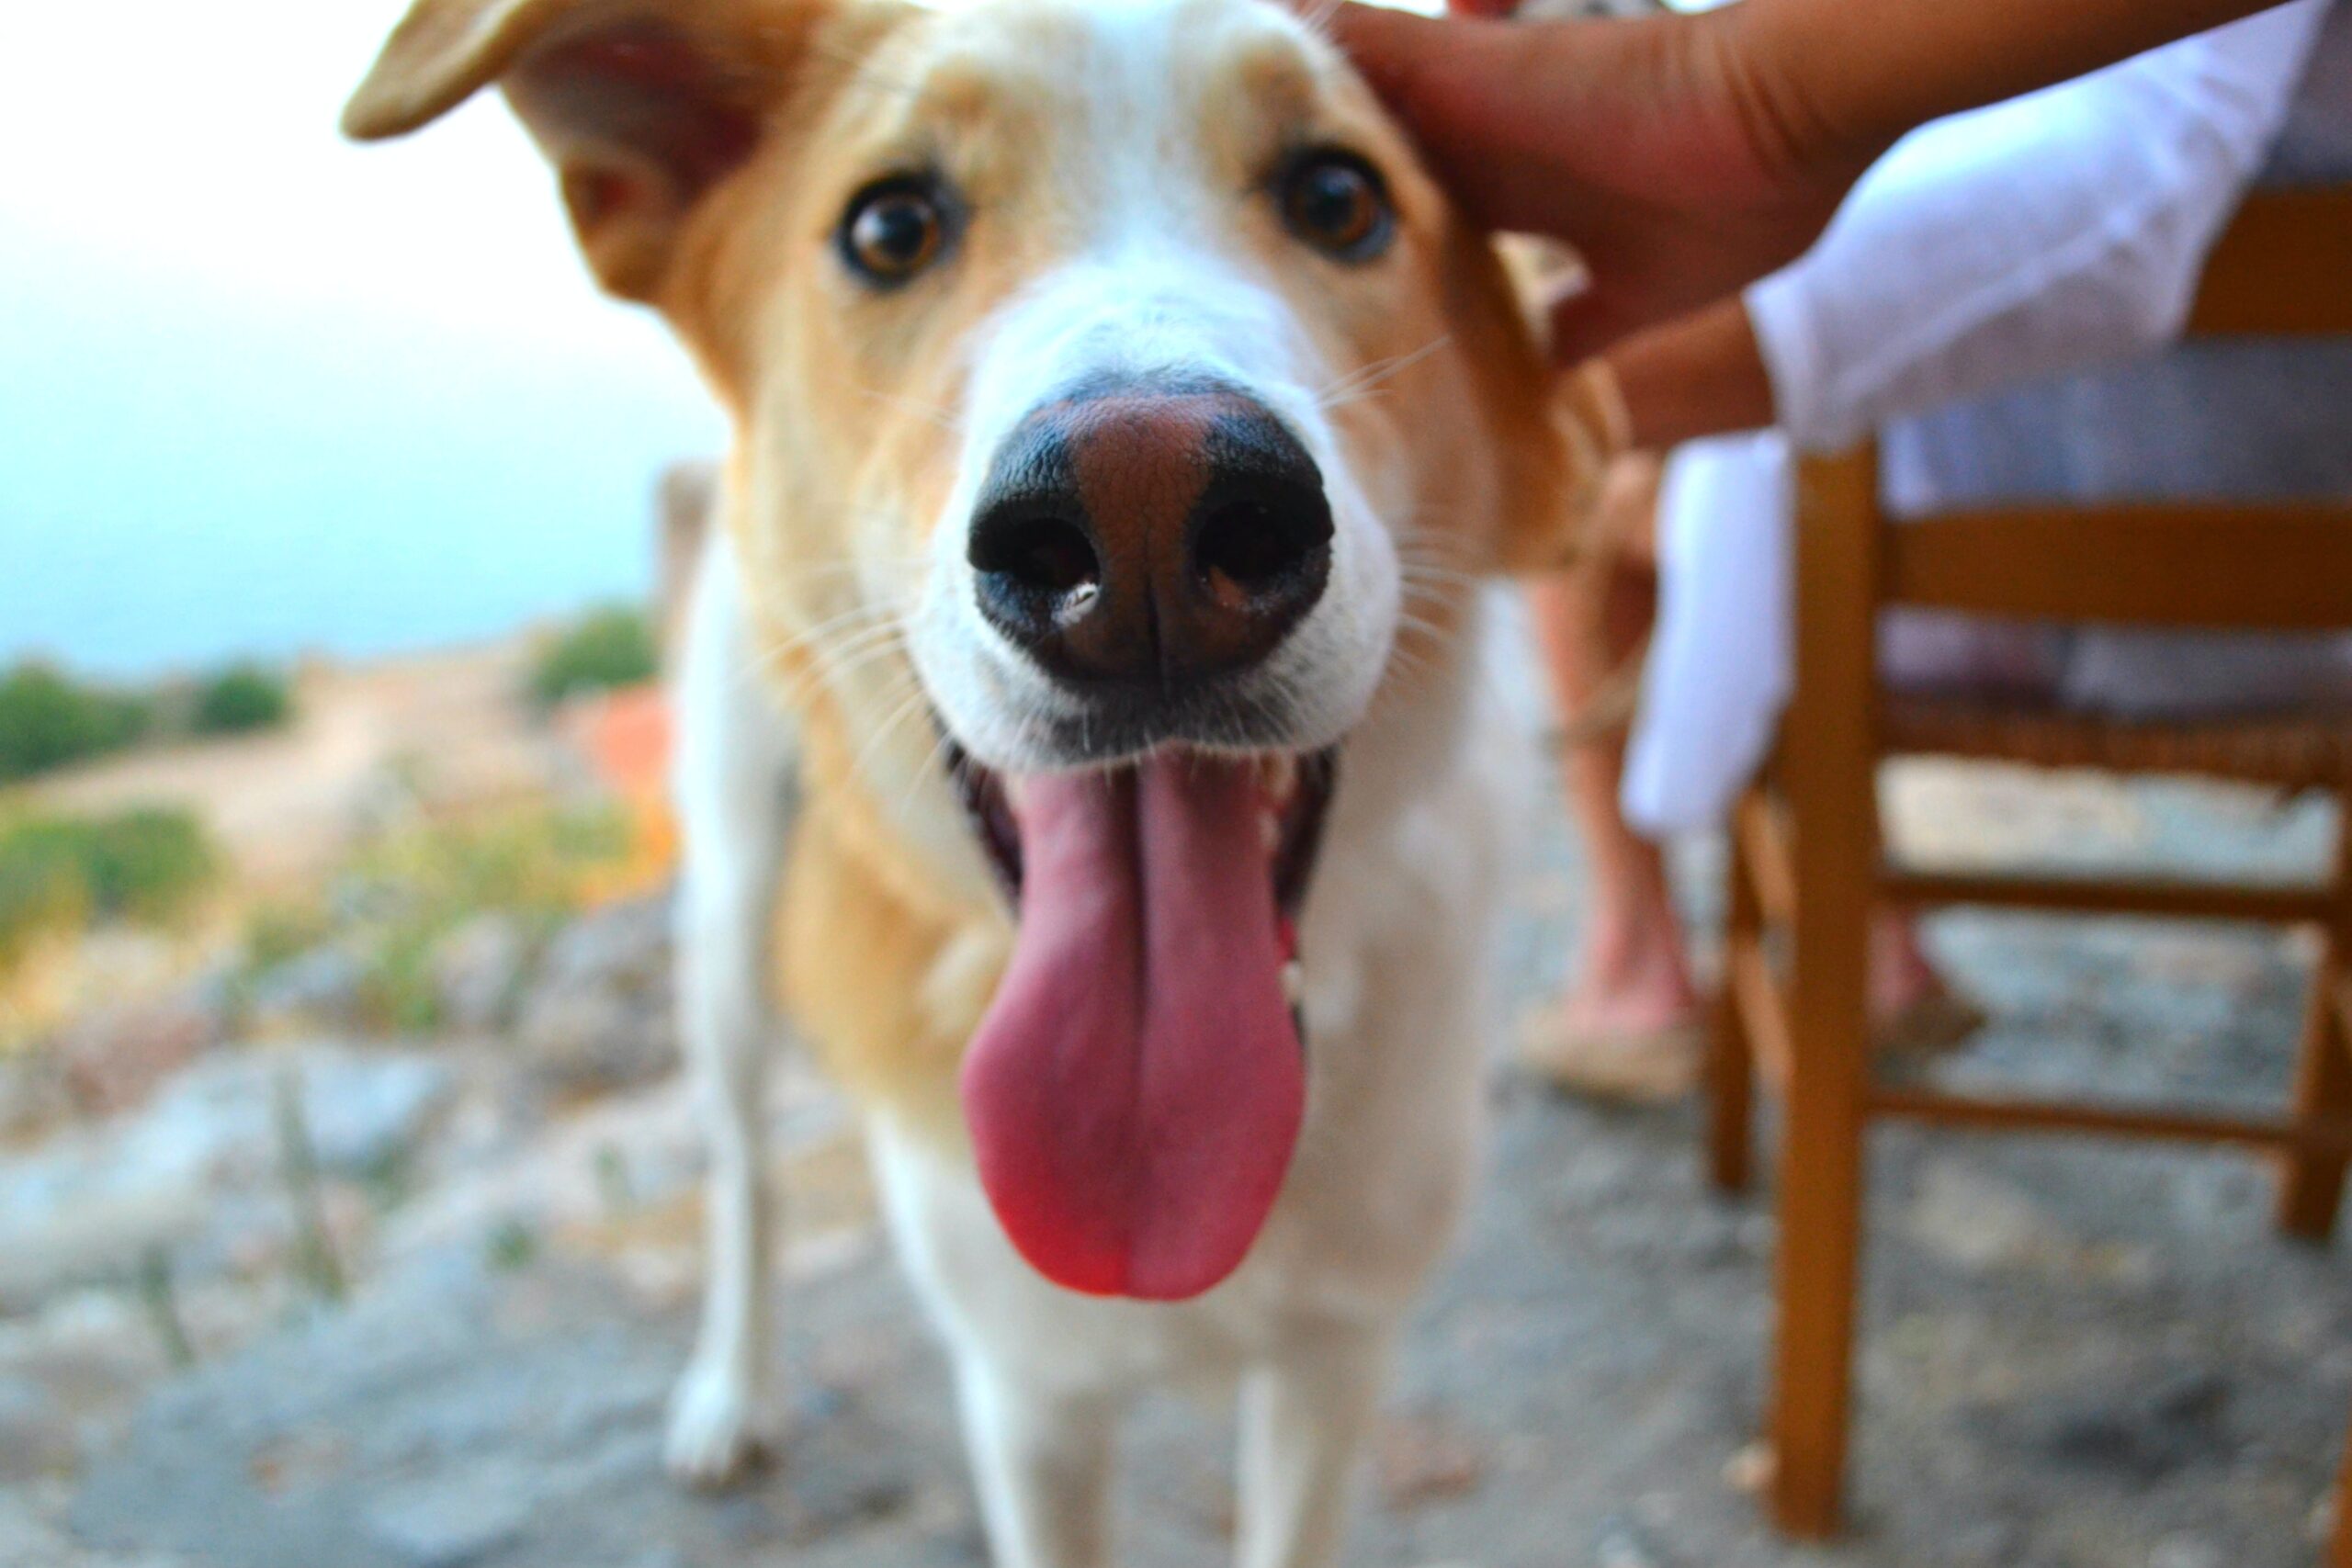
point(1336, 202)
point(894, 229)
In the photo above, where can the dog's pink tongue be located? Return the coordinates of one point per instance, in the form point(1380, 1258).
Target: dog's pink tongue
point(1135, 1090)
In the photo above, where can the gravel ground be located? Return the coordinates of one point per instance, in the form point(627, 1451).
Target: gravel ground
point(2073, 1356)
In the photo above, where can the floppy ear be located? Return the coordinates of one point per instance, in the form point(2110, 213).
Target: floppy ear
point(643, 106)
point(1554, 434)
point(1587, 416)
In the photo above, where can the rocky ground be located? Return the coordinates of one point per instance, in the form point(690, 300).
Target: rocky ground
point(334, 1303)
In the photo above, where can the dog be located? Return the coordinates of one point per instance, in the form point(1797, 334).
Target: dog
point(1125, 431)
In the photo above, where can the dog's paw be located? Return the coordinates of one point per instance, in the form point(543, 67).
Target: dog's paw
point(720, 1428)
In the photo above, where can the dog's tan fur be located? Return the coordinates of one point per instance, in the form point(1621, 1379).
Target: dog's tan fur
point(867, 926)
point(704, 174)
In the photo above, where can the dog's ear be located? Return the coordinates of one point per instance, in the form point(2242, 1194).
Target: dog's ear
point(644, 106)
point(1586, 415)
point(1553, 434)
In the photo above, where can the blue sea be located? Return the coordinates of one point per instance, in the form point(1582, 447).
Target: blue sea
point(184, 480)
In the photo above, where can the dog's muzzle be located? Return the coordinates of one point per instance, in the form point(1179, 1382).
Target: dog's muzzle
point(1145, 543)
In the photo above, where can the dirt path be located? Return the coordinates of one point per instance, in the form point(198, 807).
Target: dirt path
point(450, 725)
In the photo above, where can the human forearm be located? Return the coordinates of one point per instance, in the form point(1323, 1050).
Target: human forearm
point(1687, 155)
point(2058, 230)
point(1828, 81)
point(1701, 375)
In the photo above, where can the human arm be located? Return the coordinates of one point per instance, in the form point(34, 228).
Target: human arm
point(2049, 233)
point(1687, 155)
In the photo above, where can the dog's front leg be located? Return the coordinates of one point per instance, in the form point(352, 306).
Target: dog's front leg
point(1041, 1458)
point(734, 784)
point(1305, 1416)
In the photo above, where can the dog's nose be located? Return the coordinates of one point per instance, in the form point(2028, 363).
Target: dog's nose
point(1138, 535)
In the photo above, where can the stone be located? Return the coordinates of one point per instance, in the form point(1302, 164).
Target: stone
point(598, 1016)
point(321, 988)
point(594, 1042)
point(625, 944)
point(457, 1524)
point(361, 1108)
point(1623, 1544)
point(33, 1093)
point(478, 973)
point(113, 1058)
point(2185, 1552)
point(1422, 1459)
point(192, 1165)
point(1975, 1222)
point(35, 1433)
point(2144, 1434)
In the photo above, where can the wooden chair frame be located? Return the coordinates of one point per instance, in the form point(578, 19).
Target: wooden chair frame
point(1805, 867)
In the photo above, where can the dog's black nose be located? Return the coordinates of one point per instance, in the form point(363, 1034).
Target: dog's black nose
point(1140, 535)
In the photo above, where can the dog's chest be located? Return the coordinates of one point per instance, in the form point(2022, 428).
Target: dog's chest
point(1398, 945)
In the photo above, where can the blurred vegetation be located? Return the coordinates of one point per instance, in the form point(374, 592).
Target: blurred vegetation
point(62, 874)
point(50, 720)
point(404, 894)
point(602, 650)
point(238, 699)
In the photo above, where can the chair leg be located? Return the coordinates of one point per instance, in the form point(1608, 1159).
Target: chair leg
point(1731, 1072)
point(1829, 775)
point(1820, 1209)
point(1731, 1079)
point(2311, 1187)
point(2339, 1552)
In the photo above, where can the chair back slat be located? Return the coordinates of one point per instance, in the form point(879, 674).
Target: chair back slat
point(2276, 567)
point(2284, 265)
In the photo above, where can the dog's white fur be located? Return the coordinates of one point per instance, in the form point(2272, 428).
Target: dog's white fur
point(1398, 929)
point(1398, 934)
point(1152, 276)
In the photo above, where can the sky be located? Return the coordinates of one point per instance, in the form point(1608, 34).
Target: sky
point(264, 392)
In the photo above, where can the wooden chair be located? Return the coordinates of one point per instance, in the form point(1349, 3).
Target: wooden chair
point(2339, 1549)
point(1805, 868)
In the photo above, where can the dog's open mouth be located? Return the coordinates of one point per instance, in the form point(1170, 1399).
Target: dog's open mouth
point(1137, 1086)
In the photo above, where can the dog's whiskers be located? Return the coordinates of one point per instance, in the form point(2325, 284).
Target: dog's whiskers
point(858, 621)
point(940, 753)
point(933, 413)
point(917, 701)
point(861, 72)
point(1317, 18)
point(831, 657)
point(1361, 383)
point(835, 673)
point(1422, 571)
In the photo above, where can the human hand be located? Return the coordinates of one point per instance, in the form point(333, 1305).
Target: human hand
point(1664, 149)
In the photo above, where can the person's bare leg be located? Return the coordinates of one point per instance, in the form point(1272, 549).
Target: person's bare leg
point(1628, 1023)
point(1631, 974)
point(1633, 981)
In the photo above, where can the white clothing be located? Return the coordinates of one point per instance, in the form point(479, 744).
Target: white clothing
point(2063, 230)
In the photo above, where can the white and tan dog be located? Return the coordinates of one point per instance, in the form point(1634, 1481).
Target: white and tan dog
point(1122, 422)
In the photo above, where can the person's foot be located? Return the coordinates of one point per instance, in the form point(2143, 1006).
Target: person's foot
point(1631, 1027)
point(1913, 1010)
point(1633, 982)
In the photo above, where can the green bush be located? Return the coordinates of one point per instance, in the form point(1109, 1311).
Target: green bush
point(47, 721)
point(399, 898)
point(57, 873)
point(240, 698)
point(39, 893)
point(602, 650)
